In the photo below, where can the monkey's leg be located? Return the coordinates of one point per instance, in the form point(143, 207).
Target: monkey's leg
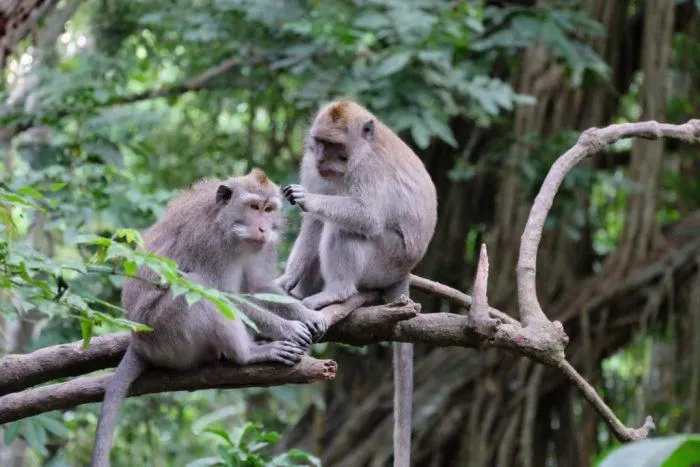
point(303, 254)
point(310, 282)
point(343, 258)
point(403, 387)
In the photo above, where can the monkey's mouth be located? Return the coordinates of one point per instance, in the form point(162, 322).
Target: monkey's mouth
point(256, 242)
point(328, 172)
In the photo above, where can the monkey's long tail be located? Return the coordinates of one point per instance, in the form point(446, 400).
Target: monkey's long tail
point(128, 370)
point(403, 402)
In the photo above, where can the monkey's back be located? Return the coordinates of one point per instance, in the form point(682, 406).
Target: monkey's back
point(412, 196)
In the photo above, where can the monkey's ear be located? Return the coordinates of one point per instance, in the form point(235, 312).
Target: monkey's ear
point(223, 194)
point(368, 129)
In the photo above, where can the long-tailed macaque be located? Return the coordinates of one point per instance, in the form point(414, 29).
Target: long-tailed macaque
point(370, 210)
point(223, 234)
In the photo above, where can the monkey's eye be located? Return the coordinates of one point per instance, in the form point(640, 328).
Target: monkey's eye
point(344, 157)
point(255, 207)
point(269, 208)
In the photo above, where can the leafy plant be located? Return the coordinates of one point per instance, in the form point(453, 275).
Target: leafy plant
point(245, 447)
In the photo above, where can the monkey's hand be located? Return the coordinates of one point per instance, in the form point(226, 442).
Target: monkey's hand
point(296, 332)
point(295, 194)
point(316, 323)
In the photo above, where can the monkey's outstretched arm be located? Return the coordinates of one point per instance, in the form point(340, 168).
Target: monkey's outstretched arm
point(349, 213)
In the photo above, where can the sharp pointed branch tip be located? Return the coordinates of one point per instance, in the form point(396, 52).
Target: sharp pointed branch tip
point(482, 276)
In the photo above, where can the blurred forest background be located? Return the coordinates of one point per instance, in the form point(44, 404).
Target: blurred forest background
point(110, 106)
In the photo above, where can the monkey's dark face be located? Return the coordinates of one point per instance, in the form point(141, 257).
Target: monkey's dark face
point(249, 217)
point(331, 157)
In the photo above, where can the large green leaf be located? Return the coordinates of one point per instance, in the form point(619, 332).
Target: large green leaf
point(671, 451)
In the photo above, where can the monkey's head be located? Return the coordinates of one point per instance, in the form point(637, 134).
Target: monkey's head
point(248, 209)
point(341, 137)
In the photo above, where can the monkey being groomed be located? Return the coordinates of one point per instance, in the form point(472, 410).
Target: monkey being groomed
point(369, 213)
point(223, 234)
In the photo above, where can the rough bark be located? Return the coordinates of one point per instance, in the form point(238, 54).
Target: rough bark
point(91, 388)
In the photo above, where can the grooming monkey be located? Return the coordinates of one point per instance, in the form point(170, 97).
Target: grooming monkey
point(223, 234)
point(370, 210)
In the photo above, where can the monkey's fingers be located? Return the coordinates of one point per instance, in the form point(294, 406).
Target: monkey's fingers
point(300, 334)
point(288, 193)
point(287, 353)
point(318, 328)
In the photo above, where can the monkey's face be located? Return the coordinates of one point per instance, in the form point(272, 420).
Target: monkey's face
point(331, 157)
point(251, 218)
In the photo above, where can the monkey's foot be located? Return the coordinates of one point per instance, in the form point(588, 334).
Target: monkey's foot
point(325, 298)
point(296, 332)
point(283, 352)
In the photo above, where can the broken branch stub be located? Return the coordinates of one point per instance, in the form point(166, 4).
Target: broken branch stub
point(479, 311)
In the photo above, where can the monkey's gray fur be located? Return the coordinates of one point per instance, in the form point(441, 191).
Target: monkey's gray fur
point(224, 234)
point(370, 210)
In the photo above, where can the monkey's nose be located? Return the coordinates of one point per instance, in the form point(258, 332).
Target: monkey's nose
point(262, 229)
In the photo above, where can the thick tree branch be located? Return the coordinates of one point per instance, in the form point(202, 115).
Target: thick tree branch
point(21, 371)
point(91, 388)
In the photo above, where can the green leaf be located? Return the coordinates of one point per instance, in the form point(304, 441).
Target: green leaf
point(34, 434)
point(419, 132)
point(93, 240)
point(441, 129)
point(393, 63)
point(655, 452)
point(372, 20)
point(221, 434)
point(206, 461)
point(54, 425)
point(56, 186)
point(131, 236)
point(130, 268)
point(86, 328)
point(215, 416)
point(274, 298)
point(30, 191)
point(11, 431)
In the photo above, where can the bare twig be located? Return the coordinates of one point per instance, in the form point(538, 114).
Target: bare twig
point(455, 296)
point(621, 432)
